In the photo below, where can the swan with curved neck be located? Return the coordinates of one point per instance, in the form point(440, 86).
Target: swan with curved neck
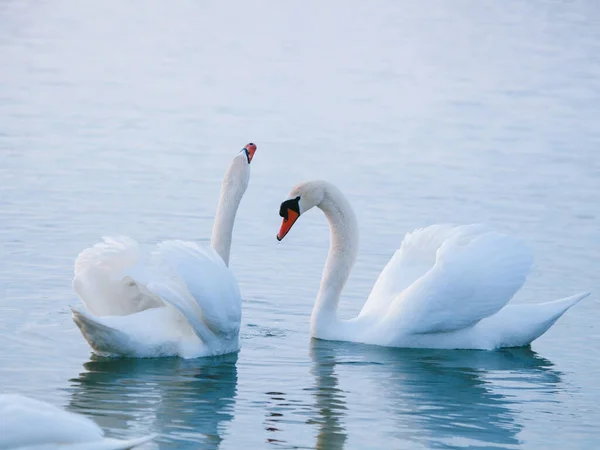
point(180, 299)
point(446, 287)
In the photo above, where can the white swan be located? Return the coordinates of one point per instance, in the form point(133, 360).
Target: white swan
point(29, 424)
point(446, 287)
point(179, 300)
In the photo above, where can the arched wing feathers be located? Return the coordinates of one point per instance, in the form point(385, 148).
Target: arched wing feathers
point(475, 273)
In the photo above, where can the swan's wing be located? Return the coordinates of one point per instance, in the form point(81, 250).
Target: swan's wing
point(475, 274)
point(110, 277)
point(200, 286)
point(116, 278)
point(415, 257)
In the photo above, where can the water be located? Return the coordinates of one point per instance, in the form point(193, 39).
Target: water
point(120, 118)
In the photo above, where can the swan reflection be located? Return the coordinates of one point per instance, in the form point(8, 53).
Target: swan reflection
point(329, 398)
point(187, 402)
point(433, 398)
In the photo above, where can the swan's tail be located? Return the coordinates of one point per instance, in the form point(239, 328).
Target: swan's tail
point(520, 325)
point(104, 339)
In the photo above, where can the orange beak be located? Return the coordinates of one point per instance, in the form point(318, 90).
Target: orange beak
point(286, 225)
point(251, 148)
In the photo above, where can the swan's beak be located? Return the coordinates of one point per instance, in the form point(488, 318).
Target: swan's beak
point(250, 149)
point(287, 223)
point(290, 211)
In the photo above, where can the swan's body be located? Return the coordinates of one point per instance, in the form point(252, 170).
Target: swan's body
point(29, 424)
point(180, 299)
point(446, 287)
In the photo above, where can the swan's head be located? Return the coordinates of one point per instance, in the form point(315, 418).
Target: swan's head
point(237, 176)
point(249, 150)
point(303, 197)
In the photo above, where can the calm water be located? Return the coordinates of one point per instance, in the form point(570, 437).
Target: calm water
point(120, 118)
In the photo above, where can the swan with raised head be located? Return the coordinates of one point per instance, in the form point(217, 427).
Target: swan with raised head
point(180, 299)
point(445, 287)
point(35, 425)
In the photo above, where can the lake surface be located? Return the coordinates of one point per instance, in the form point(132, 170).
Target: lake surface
point(121, 117)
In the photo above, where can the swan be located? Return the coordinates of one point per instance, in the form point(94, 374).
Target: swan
point(29, 424)
point(446, 287)
point(181, 299)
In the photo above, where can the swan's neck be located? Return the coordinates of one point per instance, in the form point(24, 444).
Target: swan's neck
point(342, 255)
point(232, 190)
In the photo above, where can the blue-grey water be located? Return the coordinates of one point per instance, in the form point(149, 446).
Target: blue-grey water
point(120, 117)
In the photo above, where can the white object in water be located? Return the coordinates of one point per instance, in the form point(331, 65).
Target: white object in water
point(180, 300)
point(28, 424)
point(446, 287)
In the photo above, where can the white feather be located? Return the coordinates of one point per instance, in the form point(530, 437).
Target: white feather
point(180, 299)
point(109, 278)
point(32, 424)
point(208, 281)
point(415, 257)
point(476, 273)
